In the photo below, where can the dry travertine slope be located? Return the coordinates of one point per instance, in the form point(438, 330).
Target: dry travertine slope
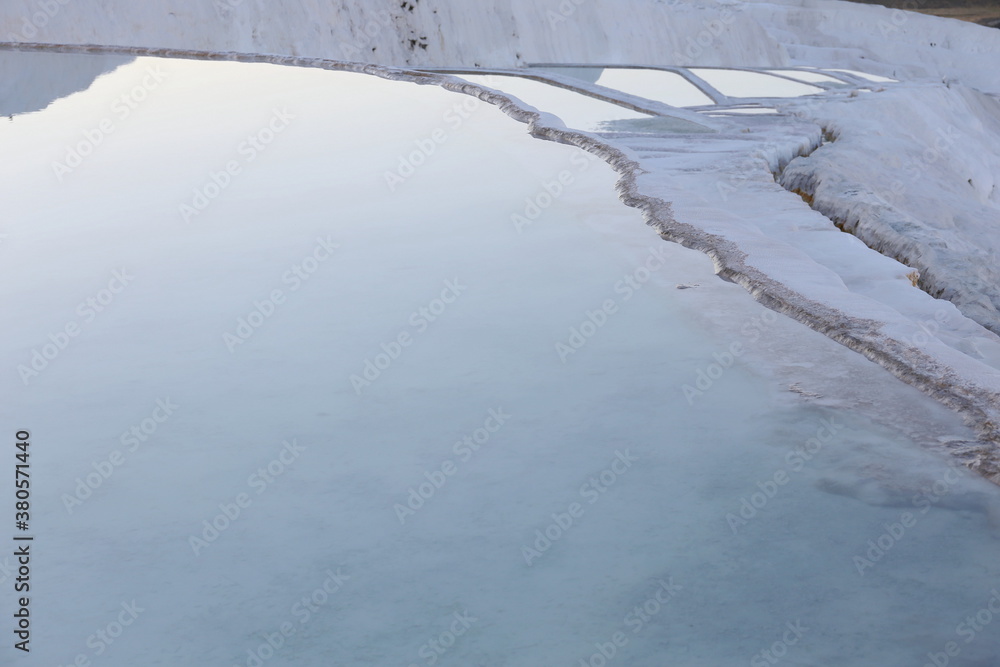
point(506, 33)
point(496, 33)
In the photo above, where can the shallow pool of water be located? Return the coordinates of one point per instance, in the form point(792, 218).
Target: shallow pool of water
point(667, 87)
point(743, 83)
point(871, 77)
point(383, 380)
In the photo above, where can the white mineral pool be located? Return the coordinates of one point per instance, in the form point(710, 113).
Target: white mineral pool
point(325, 369)
point(742, 83)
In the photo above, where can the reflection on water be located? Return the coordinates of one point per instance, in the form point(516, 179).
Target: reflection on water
point(32, 81)
point(585, 74)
